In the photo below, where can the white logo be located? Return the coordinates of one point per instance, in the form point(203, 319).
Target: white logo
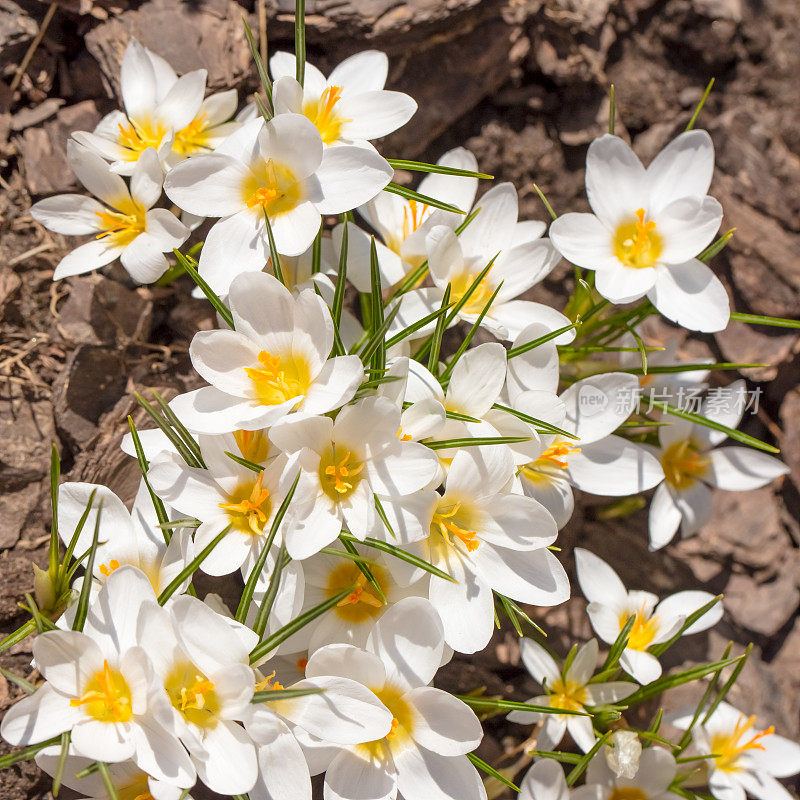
point(591, 400)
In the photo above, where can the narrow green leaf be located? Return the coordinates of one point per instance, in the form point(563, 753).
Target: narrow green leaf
point(580, 766)
point(540, 425)
point(513, 611)
point(478, 441)
point(758, 319)
point(158, 504)
point(734, 676)
point(73, 542)
point(62, 759)
point(615, 651)
point(111, 790)
point(26, 686)
point(210, 294)
point(398, 552)
point(672, 368)
point(378, 360)
point(379, 336)
point(658, 649)
point(490, 770)
point(263, 74)
point(274, 256)
point(700, 105)
point(483, 703)
point(273, 695)
point(557, 755)
point(55, 477)
point(300, 40)
point(438, 169)
point(251, 465)
point(534, 343)
point(365, 570)
point(179, 427)
point(612, 109)
point(382, 514)
point(438, 335)
point(716, 246)
point(25, 630)
point(191, 567)
point(27, 753)
point(267, 645)
point(338, 294)
point(545, 202)
point(185, 453)
point(415, 326)
point(717, 426)
point(82, 608)
point(316, 252)
point(410, 194)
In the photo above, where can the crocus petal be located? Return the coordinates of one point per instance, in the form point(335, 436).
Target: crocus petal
point(294, 230)
point(621, 284)
point(137, 81)
point(641, 666)
point(92, 255)
point(144, 259)
point(683, 604)
point(293, 141)
point(165, 229)
point(349, 177)
point(687, 227)
point(228, 764)
point(599, 583)
point(615, 467)
point(356, 775)
point(544, 781)
point(539, 662)
point(682, 169)
point(44, 714)
point(210, 185)
point(374, 114)
point(692, 296)
point(598, 405)
point(70, 214)
point(363, 72)
point(694, 503)
point(664, 518)
point(584, 240)
point(183, 100)
point(615, 180)
point(147, 179)
point(737, 469)
point(425, 775)
point(94, 174)
point(442, 723)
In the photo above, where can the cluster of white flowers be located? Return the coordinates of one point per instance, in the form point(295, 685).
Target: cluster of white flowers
point(379, 495)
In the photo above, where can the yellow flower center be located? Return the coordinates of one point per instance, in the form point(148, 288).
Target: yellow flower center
point(683, 464)
point(249, 506)
point(119, 227)
point(137, 136)
point(107, 696)
point(273, 187)
point(402, 723)
point(361, 604)
point(269, 682)
point(193, 695)
point(323, 114)
point(479, 298)
point(339, 473)
point(627, 793)
point(193, 137)
point(553, 458)
point(567, 694)
point(453, 521)
point(636, 243)
point(278, 379)
point(138, 790)
point(253, 445)
point(644, 629)
point(730, 746)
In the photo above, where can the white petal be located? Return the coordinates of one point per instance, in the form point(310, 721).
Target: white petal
point(598, 405)
point(283, 771)
point(582, 667)
point(520, 267)
point(94, 174)
point(70, 214)
point(584, 240)
point(144, 259)
point(599, 583)
point(477, 379)
point(424, 775)
point(780, 756)
point(335, 385)
point(294, 230)
point(92, 255)
point(250, 295)
point(357, 775)
point(615, 467)
point(687, 227)
point(544, 781)
point(664, 518)
point(209, 185)
point(515, 315)
point(346, 661)
point(621, 284)
point(182, 102)
point(641, 666)
point(210, 410)
point(137, 81)
point(221, 358)
point(742, 468)
point(146, 179)
point(692, 296)
point(615, 180)
point(167, 231)
point(695, 506)
point(293, 141)
point(683, 604)
point(228, 765)
point(363, 72)
point(539, 662)
point(349, 177)
point(44, 714)
point(682, 169)
point(491, 231)
point(373, 114)
point(442, 723)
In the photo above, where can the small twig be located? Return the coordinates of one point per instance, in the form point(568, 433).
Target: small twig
point(262, 29)
point(34, 251)
point(37, 40)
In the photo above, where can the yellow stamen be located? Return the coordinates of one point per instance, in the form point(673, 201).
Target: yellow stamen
point(729, 748)
point(567, 694)
point(360, 595)
point(445, 520)
point(268, 683)
point(278, 379)
point(121, 228)
point(361, 605)
point(137, 136)
point(477, 301)
point(192, 138)
point(107, 697)
point(249, 507)
point(413, 216)
point(336, 473)
point(402, 722)
point(683, 463)
point(112, 565)
point(323, 114)
point(636, 243)
point(192, 695)
point(644, 629)
point(403, 437)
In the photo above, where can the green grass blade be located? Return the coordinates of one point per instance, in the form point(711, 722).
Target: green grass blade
point(415, 326)
point(62, 759)
point(179, 427)
point(300, 40)
point(376, 319)
point(210, 294)
point(273, 695)
point(491, 703)
point(534, 343)
point(438, 169)
point(540, 425)
point(398, 552)
point(658, 649)
point(191, 567)
point(410, 194)
point(365, 570)
point(478, 441)
point(274, 256)
point(185, 453)
point(251, 465)
point(27, 753)
point(490, 770)
point(758, 319)
point(263, 74)
point(82, 608)
point(706, 93)
point(158, 504)
point(438, 335)
point(580, 766)
point(55, 477)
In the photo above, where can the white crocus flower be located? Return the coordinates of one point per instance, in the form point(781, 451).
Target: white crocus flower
point(346, 463)
point(422, 754)
point(647, 228)
point(162, 111)
point(99, 686)
point(129, 781)
point(611, 605)
point(595, 461)
point(570, 690)
point(748, 760)
point(351, 106)
point(351, 621)
point(402, 225)
point(225, 495)
point(520, 258)
point(657, 770)
point(275, 362)
point(125, 224)
point(124, 537)
point(692, 463)
point(278, 170)
point(203, 668)
point(487, 538)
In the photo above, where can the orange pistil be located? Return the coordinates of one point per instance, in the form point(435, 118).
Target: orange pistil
point(112, 565)
point(393, 729)
point(403, 437)
point(556, 453)
point(251, 509)
point(323, 114)
point(360, 595)
point(449, 527)
point(636, 244)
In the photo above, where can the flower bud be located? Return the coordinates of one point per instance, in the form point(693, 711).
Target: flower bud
point(623, 755)
point(44, 590)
